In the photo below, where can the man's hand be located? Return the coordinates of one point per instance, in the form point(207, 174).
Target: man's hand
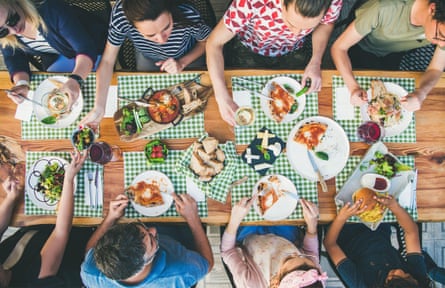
point(92, 119)
point(77, 160)
point(412, 101)
point(312, 72)
point(117, 207)
point(72, 88)
point(17, 93)
point(350, 210)
point(186, 207)
point(10, 185)
point(359, 97)
point(170, 66)
point(310, 215)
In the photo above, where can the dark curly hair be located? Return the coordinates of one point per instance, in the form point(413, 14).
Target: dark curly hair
point(309, 8)
point(439, 13)
point(141, 10)
point(119, 254)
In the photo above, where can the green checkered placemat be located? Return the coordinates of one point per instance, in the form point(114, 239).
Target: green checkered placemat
point(350, 126)
point(352, 163)
point(135, 163)
point(243, 135)
point(33, 130)
point(80, 208)
point(306, 189)
point(133, 87)
point(217, 187)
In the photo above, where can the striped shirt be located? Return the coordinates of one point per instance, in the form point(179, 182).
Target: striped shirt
point(180, 42)
point(39, 44)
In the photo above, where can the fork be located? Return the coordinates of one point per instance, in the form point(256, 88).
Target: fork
point(90, 181)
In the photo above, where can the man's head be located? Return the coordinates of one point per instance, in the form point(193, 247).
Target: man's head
point(303, 14)
point(397, 278)
point(434, 20)
point(126, 250)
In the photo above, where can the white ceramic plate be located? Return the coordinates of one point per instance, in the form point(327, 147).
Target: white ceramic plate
point(282, 80)
point(32, 179)
point(285, 204)
point(335, 143)
point(166, 187)
point(65, 120)
point(398, 182)
point(407, 116)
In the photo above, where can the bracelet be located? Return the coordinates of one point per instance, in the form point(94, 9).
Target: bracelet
point(78, 79)
point(22, 83)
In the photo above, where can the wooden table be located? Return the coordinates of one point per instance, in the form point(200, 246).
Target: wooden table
point(429, 150)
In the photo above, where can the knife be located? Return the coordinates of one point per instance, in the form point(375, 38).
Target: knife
point(324, 187)
point(96, 177)
point(24, 97)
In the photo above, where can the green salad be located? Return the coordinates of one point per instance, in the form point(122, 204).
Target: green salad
point(386, 165)
point(51, 181)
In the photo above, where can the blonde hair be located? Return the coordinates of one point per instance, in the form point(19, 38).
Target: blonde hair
point(31, 16)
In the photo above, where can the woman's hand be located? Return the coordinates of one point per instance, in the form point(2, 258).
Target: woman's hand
point(72, 88)
point(240, 210)
point(412, 101)
point(359, 97)
point(92, 119)
point(310, 215)
point(77, 160)
point(17, 93)
point(10, 185)
point(170, 65)
point(227, 108)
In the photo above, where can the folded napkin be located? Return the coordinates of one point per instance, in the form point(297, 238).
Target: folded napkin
point(94, 190)
point(242, 98)
point(111, 105)
point(408, 196)
point(343, 107)
point(194, 190)
point(24, 109)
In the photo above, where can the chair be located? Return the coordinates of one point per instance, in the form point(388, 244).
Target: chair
point(126, 56)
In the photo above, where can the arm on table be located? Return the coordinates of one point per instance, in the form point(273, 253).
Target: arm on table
point(7, 206)
point(116, 211)
point(330, 241)
point(413, 101)
point(339, 53)
point(215, 64)
point(103, 80)
point(187, 208)
point(175, 66)
point(52, 251)
point(320, 38)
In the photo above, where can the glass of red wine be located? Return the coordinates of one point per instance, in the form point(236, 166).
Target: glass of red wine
point(102, 153)
point(370, 132)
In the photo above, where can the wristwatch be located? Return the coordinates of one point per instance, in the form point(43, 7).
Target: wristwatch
point(78, 79)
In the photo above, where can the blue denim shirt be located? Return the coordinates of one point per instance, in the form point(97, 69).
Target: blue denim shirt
point(173, 266)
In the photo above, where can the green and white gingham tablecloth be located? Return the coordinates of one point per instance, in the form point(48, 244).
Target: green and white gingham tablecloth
point(80, 208)
point(34, 130)
point(243, 135)
point(352, 163)
point(135, 163)
point(133, 87)
point(306, 189)
point(217, 188)
point(350, 126)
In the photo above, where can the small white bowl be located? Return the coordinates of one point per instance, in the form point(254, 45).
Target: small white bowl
point(376, 182)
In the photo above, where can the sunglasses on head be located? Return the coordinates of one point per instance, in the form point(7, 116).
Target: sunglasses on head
point(11, 21)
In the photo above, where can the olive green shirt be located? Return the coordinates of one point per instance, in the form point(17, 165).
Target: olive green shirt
point(386, 27)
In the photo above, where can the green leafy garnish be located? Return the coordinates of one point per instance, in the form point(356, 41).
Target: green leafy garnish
point(49, 120)
point(265, 153)
point(322, 155)
point(387, 165)
point(289, 88)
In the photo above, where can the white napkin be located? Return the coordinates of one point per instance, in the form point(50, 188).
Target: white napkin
point(94, 190)
point(24, 109)
point(406, 197)
point(111, 105)
point(194, 190)
point(242, 98)
point(343, 107)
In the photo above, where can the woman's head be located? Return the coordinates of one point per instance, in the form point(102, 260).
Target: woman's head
point(17, 16)
point(154, 19)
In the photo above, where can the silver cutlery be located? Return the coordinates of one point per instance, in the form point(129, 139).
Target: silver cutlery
point(90, 188)
point(414, 191)
point(293, 195)
point(324, 187)
point(25, 98)
point(96, 184)
point(258, 94)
